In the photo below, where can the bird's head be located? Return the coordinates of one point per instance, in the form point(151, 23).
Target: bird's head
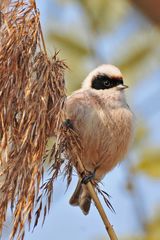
point(105, 77)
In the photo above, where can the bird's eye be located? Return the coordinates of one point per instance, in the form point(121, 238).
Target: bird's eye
point(107, 83)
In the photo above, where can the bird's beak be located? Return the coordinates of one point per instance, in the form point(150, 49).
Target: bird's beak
point(122, 86)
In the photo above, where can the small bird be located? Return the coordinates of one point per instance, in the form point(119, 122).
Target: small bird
point(101, 116)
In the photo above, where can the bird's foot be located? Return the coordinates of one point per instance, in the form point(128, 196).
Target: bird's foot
point(68, 123)
point(87, 178)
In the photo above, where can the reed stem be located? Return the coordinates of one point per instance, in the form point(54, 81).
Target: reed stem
point(99, 206)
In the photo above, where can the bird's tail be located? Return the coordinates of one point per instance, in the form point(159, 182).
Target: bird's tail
point(81, 198)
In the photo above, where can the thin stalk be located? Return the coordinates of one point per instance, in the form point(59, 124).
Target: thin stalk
point(99, 206)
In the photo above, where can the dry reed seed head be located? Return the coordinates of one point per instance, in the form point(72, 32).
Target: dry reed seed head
point(31, 99)
point(4, 4)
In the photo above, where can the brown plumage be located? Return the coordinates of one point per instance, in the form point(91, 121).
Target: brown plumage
point(102, 118)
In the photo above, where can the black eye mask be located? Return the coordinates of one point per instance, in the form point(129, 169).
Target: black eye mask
point(102, 81)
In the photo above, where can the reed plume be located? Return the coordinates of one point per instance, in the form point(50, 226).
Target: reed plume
point(31, 95)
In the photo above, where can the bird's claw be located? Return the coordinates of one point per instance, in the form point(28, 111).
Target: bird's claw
point(88, 178)
point(68, 123)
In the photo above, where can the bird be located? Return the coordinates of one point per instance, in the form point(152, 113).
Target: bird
point(99, 113)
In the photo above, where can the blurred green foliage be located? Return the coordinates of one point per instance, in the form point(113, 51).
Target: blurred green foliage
point(150, 162)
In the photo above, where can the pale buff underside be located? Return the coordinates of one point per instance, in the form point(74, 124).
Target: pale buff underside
point(104, 123)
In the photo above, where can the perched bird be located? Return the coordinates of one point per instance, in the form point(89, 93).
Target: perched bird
point(101, 116)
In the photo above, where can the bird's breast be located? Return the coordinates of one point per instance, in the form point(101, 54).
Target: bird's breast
point(106, 136)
